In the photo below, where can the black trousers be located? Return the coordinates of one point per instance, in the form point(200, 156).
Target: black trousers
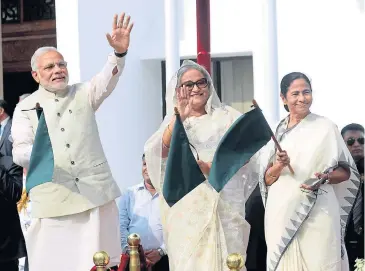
point(355, 250)
point(10, 266)
point(162, 265)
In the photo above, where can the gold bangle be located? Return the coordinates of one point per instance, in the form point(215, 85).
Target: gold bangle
point(164, 145)
point(271, 176)
point(168, 129)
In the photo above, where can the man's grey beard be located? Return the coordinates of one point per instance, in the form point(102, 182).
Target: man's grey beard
point(55, 90)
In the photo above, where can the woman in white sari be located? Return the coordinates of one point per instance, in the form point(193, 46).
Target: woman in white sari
point(203, 227)
point(304, 221)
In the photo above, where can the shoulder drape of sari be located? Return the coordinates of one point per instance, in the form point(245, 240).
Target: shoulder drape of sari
point(305, 230)
point(204, 226)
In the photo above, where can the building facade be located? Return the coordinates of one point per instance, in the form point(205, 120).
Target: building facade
point(324, 39)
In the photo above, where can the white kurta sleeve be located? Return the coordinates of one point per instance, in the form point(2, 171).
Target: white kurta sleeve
point(23, 137)
point(102, 85)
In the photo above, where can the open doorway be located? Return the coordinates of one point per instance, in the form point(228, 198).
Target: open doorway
point(17, 84)
point(26, 26)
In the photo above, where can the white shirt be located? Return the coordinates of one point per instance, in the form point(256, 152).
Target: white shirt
point(139, 212)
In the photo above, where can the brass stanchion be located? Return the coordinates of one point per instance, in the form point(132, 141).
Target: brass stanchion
point(134, 261)
point(101, 260)
point(235, 261)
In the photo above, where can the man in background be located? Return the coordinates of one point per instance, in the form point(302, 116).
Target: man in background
point(6, 144)
point(12, 244)
point(353, 135)
point(139, 213)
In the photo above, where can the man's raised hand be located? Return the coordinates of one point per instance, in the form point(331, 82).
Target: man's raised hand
point(120, 35)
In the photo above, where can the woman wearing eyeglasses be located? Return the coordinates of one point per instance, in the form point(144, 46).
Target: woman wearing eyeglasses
point(307, 212)
point(204, 226)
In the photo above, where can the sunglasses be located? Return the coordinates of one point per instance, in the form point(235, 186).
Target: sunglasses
point(351, 141)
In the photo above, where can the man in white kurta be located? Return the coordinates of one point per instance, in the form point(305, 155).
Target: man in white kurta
point(74, 214)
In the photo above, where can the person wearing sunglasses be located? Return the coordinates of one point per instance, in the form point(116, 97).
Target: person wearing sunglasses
point(353, 135)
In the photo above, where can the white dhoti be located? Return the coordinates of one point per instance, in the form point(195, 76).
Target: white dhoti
point(69, 242)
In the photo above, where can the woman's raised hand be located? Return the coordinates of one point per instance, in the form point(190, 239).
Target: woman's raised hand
point(184, 102)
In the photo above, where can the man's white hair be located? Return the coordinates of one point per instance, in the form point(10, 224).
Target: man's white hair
point(38, 53)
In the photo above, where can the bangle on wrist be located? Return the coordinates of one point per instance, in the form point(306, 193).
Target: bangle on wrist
point(164, 145)
point(168, 129)
point(271, 176)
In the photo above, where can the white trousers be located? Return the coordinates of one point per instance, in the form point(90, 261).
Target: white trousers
point(69, 242)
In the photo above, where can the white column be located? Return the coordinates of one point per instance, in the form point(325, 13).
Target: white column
point(68, 40)
point(172, 54)
point(265, 62)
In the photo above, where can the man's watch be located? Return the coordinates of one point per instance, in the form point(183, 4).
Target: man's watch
point(161, 252)
point(120, 54)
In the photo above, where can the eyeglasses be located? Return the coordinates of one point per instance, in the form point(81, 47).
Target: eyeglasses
point(49, 67)
point(351, 141)
point(201, 83)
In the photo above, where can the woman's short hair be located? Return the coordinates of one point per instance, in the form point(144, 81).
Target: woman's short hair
point(288, 80)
